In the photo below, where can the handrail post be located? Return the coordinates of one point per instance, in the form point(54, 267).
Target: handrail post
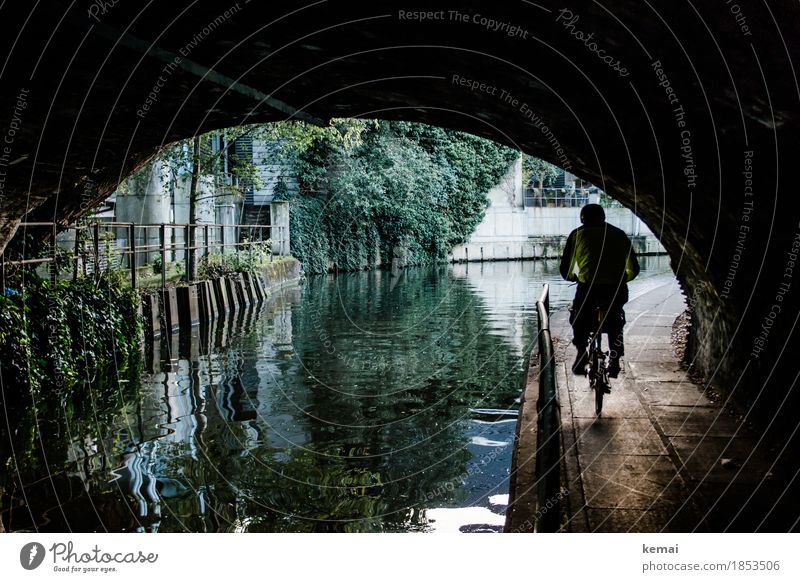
point(162, 236)
point(250, 248)
point(205, 236)
point(132, 249)
point(54, 263)
point(188, 259)
point(96, 241)
point(77, 251)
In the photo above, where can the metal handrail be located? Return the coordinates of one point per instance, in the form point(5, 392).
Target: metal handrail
point(563, 189)
point(132, 251)
point(155, 225)
point(548, 455)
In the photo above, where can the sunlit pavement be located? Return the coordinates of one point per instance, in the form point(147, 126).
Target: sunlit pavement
point(663, 456)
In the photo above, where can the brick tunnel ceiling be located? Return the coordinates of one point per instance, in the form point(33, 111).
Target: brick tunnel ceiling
point(665, 106)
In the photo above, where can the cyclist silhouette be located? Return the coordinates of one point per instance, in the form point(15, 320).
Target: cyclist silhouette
point(606, 261)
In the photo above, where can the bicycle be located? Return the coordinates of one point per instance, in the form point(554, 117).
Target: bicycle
point(597, 371)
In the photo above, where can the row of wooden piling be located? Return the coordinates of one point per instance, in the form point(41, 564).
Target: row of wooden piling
point(178, 309)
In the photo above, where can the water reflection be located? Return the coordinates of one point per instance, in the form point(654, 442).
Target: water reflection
point(362, 402)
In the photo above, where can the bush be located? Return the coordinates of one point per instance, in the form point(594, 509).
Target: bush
point(243, 260)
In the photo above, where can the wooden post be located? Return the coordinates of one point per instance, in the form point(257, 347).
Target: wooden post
point(205, 236)
point(132, 249)
point(222, 239)
point(162, 239)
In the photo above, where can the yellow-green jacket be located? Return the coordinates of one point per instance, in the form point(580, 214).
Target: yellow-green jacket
point(603, 254)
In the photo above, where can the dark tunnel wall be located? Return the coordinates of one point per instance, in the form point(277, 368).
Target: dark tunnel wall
point(685, 112)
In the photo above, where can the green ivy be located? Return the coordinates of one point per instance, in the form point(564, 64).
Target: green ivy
point(54, 336)
point(396, 191)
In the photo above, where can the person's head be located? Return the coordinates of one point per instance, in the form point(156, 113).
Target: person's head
point(593, 215)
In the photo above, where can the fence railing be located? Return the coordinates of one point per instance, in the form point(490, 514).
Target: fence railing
point(128, 246)
point(548, 454)
point(556, 197)
point(565, 198)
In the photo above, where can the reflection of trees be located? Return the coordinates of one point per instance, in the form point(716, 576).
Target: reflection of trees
point(344, 411)
point(415, 376)
point(57, 478)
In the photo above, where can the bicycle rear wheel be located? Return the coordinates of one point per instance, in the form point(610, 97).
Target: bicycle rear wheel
point(599, 390)
point(597, 381)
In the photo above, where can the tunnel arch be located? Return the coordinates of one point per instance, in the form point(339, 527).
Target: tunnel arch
point(80, 75)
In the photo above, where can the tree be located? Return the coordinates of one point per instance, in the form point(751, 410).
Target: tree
point(535, 169)
point(191, 272)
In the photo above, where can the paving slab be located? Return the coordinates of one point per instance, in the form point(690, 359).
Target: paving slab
point(694, 420)
point(673, 393)
point(617, 436)
point(656, 371)
point(715, 459)
point(646, 482)
point(638, 520)
point(749, 507)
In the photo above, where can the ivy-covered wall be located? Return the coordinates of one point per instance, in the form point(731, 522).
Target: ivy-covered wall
point(375, 192)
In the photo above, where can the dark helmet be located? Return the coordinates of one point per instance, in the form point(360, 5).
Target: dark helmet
point(593, 214)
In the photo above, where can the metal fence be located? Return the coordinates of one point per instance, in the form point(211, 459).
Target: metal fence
point(106, 246)
point(566, 198)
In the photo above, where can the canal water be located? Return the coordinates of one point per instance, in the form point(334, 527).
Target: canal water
point(360, 402)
